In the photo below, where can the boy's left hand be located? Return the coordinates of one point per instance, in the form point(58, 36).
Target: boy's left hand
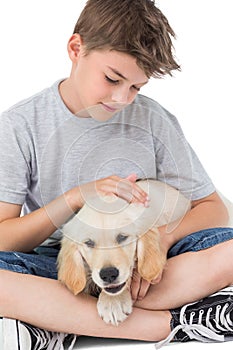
point(140, 287)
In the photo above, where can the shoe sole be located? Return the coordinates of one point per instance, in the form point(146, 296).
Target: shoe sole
point(16, 336)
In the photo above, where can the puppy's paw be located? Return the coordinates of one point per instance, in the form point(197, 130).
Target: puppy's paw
point(114, 309)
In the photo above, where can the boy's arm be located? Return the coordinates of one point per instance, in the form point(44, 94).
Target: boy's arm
point(205, 213)
point(27, 232)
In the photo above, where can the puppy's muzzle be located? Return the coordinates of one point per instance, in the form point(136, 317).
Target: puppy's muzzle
point(109, 276)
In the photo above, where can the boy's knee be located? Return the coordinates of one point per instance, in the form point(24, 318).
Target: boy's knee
point(5, 292)
point(220, 263)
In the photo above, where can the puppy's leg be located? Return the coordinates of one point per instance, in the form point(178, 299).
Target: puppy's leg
point(114, 308)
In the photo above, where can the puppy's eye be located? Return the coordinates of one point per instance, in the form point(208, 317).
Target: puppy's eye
point(121, 238)
point(89, 243)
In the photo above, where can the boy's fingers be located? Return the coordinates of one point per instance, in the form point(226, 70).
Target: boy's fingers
point(145, 285)
point(135, 285)
point(131, 191)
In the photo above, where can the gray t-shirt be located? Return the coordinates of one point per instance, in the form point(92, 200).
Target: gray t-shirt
point(46, 150)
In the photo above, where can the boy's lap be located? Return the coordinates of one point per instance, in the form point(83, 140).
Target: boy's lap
point(201, 240)
point(43, 262)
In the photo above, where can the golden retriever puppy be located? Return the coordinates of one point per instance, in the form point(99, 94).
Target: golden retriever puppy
point(108, 238)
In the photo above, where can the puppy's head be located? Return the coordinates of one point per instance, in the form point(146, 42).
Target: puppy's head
point(104, 246)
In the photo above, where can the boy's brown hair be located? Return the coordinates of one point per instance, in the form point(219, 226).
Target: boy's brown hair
point(136, 27)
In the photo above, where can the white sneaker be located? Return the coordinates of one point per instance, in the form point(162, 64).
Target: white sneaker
point(17, 335)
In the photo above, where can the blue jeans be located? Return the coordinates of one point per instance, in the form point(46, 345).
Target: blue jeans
point(42, 261)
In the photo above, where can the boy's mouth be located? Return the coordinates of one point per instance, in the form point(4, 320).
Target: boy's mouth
point(109, 108)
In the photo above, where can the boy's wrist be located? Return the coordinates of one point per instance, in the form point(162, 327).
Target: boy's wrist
point(74, 198)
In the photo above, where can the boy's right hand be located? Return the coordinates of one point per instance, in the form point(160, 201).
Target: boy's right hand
point(125, 188)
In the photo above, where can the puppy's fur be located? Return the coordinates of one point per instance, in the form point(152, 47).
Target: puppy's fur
point(108, 238)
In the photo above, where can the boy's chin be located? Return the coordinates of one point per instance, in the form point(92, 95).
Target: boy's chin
point(100, 112)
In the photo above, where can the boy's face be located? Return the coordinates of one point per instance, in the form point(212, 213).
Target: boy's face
point(102, 82)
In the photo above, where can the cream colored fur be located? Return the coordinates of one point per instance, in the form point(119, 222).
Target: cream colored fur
point(109, 235)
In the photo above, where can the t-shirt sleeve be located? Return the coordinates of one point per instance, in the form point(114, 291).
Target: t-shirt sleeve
point(177, 163)
point(14, 159)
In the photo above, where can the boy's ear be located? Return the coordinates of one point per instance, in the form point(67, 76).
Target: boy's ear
point(151, 260)
point(74, 47)
point(71, 269)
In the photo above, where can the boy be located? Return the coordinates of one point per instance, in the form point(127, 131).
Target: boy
point(87, 135)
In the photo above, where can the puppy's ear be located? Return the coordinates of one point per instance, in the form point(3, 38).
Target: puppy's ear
point(71, 269)
point(151, 260)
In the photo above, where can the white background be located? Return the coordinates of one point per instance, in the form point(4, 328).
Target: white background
point(33, 37)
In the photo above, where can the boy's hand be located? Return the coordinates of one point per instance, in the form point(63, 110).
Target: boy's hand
point(126, 189)
point(140, 287)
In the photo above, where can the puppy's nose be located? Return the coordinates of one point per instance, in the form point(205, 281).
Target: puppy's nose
point(109, 274)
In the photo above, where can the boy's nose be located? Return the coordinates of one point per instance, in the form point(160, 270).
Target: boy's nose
point(121, 96)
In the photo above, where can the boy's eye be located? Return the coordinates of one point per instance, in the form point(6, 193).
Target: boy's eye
point(112, 81)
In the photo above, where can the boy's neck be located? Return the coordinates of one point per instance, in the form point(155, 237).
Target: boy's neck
point(69, 98)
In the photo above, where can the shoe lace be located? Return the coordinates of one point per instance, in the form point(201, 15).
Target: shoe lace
point(197, 331)
point(57, 341)
point(50, 340)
